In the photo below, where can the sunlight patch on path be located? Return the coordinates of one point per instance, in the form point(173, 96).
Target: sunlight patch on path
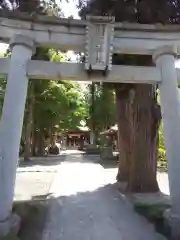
point(163, 182)
point(79, 176)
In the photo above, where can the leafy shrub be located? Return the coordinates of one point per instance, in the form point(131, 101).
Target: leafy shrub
point(162, 162)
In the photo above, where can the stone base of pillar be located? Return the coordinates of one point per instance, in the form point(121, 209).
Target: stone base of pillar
point(173, 221)
point(12, 224)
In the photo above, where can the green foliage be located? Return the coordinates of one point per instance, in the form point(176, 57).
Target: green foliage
point(10, 236)
point(56, 56)
point(151, 210)
point(58, 104)
point(162, 162)
point(101, 101)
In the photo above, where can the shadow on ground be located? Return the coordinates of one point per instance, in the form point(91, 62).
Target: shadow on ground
point(33, 215)
point(45, 161)
point(102, 213)
point(48, 160)
point(109, 164)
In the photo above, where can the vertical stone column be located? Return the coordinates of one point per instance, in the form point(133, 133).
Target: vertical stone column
point(11, 124)
point(170, 109)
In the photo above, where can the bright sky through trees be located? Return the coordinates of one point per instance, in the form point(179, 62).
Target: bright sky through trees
point(69, 8)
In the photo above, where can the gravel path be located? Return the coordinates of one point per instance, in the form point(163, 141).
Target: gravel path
point(87, 206)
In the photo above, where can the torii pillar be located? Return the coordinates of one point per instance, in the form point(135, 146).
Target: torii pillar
point(164, 58)
point(11, 126)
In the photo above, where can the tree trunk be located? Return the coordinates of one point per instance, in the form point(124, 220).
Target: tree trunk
point(145, 124)
point(40, 143)
point(53, 137)
point(124, 134)
point(138, 121)
point(34, 136)
point(92, 110)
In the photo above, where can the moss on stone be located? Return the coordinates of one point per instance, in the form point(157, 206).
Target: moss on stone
point(10, 236)
point(151, 210)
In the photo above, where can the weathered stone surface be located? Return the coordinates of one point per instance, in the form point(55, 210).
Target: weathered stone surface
point(173, 222)
point(11, 225)
point(15, 222)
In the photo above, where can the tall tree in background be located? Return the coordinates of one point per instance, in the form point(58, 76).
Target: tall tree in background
point(92, 115)
point(137, 108)
point(102, 113)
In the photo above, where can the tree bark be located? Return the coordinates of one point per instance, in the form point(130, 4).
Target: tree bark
point(40, 143)
point(144, 145)
point(34, 136)
point(122, 106)
point(138, 121)
point(52, 137)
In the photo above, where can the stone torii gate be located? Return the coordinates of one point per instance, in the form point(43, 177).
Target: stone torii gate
point(98, 38)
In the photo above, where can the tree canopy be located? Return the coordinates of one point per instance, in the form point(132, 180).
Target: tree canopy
point(142, 11)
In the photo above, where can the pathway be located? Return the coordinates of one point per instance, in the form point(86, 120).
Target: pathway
point(34, 179)
point(87, 206)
